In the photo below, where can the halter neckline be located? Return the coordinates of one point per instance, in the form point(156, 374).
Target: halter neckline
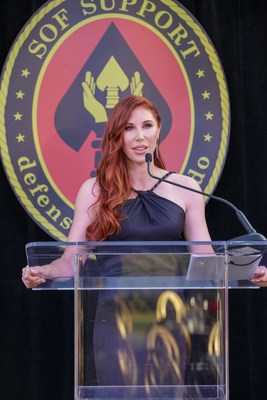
point(156, 184)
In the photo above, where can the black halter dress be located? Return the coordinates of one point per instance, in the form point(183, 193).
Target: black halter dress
point(148, 217)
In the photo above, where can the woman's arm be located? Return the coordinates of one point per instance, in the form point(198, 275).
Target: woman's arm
point(196, 229)
point(63, 266)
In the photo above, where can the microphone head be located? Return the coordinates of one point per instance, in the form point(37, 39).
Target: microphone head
point(148, 157)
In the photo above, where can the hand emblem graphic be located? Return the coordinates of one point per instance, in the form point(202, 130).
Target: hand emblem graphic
point(93, 106)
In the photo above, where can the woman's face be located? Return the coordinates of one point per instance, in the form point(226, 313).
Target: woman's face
point(140, 135)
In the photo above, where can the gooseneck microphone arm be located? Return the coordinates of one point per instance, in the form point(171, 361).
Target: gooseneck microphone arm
point(241, 217)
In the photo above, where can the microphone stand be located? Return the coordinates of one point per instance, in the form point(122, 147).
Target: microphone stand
point(252, 234)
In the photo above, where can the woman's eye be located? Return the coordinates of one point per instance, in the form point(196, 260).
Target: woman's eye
point(128, 127)
point(148, 125)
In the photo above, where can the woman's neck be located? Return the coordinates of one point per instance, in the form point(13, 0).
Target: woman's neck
point(139, 177)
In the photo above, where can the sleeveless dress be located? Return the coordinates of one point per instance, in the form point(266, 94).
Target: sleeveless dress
point(148, 217)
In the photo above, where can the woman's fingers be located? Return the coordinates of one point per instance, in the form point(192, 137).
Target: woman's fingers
point(260, 277)
point(32, 277)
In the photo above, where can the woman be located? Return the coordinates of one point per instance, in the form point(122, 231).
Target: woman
point(108, 206)
point(115, 204)
point(125, 203)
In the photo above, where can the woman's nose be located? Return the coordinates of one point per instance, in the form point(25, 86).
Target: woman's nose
point(139, 134)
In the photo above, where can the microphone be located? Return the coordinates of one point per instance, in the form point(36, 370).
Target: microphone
point(251, 235)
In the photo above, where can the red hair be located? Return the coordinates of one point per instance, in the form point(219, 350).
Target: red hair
point(112, 174)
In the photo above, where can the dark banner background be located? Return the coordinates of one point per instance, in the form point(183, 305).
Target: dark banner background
point(36, 328)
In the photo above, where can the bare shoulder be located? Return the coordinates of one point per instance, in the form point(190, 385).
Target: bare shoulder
point(179, 193)
point(186, 181)
point(190, 198)
point(89, 184)
point(88, 192)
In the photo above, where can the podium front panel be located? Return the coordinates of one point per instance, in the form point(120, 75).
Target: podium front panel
point(143, 329)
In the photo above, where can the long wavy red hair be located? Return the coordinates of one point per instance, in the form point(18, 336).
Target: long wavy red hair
point(112, 175)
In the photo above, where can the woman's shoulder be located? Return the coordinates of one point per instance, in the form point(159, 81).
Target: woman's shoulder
point(88, 189)
point(89, 183)
point(185, 180)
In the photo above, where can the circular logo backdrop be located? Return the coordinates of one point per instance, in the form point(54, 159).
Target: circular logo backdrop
point(67, 69)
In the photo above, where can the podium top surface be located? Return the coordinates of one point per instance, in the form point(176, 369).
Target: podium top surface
point(150, 265)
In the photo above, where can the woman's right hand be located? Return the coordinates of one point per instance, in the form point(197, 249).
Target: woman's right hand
point(34, 276)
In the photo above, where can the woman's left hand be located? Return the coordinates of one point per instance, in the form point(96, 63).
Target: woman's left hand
point(260, 277)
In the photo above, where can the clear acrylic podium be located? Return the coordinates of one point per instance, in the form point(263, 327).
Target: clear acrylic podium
point(151, 318)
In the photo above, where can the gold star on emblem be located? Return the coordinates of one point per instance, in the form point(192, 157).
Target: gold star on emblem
point(209, 116)
point(25, 72)
point(17, 116)
point(20, 138)
point(207, 137)
point(205, 95)
point(200, 73)
point(20, 94)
